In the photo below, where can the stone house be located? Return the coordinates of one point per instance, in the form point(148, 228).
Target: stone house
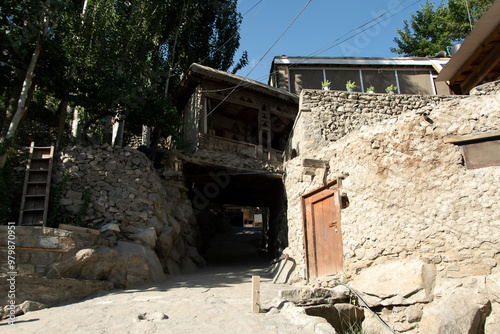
point(411, 75)
point(380, 194)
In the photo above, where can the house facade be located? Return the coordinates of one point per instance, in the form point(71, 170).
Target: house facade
point(408, 75)
point(229, 113)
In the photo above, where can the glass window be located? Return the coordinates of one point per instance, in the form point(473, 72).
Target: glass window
point(340, 77)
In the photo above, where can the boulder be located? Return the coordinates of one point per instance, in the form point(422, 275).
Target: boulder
point(137, 264)
point(493, 321)
point(461, 310)
point(396, 283)
point(146, 237)
point(91, 263)
point(126, 265)
point(315, 296)
point(493, 286)
point(343, 317)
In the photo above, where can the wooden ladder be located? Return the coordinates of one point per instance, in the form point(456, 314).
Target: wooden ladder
point(35, 200)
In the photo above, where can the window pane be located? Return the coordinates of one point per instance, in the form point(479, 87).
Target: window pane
point(305, 79)
point(379, 79)
point(340, 77)
point(415, 82)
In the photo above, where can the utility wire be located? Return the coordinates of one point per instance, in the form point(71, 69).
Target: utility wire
point(239, 83)
point(328, 47)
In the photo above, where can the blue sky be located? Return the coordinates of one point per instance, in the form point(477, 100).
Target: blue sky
point(317, 28)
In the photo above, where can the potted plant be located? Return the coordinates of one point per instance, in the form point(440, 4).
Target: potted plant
point(391, 89)
point(350, 86)
point(325, 84)
point(370, 89)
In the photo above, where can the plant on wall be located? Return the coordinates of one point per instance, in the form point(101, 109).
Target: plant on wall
point(391, 89)
point(370, 89)
point(350, 86)
point(326, 84)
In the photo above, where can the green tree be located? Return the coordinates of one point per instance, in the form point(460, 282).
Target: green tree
point(432, 29)
point(112, 59)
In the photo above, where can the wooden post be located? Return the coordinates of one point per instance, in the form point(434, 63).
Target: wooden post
point(255, 294)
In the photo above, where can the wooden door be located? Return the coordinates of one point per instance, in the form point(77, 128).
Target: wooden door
point(322, 231)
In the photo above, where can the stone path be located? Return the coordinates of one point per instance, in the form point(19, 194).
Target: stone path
point(213, 300)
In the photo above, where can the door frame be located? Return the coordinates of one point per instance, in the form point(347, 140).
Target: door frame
point(335, 184)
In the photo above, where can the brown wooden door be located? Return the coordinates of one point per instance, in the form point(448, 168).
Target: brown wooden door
point(323, 234)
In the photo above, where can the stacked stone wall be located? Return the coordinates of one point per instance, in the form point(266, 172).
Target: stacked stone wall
point(327, 116)
point(411, 198)
point(120, 186)
point(39, 247)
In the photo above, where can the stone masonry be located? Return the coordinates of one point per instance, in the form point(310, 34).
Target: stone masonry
point(124, 190)
point(412, 201)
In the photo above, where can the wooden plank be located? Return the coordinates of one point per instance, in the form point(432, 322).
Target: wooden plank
point(481, 136)
point(26, 177)
point(79, 229)
point(40, 249)
point(315, 163)
point(47, 189)
point(255, 294)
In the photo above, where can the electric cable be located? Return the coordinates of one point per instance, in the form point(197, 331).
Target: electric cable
point(328, 47)
point(239, 84)
point(367, 307)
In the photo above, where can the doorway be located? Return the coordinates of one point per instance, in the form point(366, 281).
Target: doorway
point(322, 231)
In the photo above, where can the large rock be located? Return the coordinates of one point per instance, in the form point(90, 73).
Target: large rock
point(315, 296)
point(126, 265)
point(146, 237)
point(462, 311)
point(396, 283)
point(138, 265)
point(343, 317)
point(493, 286)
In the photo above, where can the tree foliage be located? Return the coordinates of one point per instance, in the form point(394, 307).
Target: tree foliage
point(432, 29)
point(111, 57)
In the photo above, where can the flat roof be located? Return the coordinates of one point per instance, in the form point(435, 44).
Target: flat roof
point(361, 61)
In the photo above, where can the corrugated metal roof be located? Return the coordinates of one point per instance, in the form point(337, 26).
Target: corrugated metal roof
point(360, 61)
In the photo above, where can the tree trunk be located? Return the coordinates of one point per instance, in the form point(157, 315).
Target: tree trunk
point(63, 110)
point(20, 111)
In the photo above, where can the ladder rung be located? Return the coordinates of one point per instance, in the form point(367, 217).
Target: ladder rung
point(33, 210)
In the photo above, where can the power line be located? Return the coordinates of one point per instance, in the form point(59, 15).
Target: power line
point(239, 83)
point(328, 47)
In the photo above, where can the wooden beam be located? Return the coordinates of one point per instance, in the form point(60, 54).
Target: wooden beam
point(483, 136)
point(40, 249)
point(255, 294)
point(487, 64)
point(315, 163)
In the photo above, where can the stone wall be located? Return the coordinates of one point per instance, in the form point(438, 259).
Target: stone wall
point(37, 250)
point(326, 116)
point(38, 247)
point(411, 199)
point(119, 188)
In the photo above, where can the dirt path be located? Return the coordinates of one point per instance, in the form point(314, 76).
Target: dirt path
point(216, 299)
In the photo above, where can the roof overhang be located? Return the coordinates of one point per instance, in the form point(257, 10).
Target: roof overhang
point(479, 56)
point(197, 73)
point(358, 61)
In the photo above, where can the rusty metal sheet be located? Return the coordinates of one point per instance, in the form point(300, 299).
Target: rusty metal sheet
point(482, 154)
